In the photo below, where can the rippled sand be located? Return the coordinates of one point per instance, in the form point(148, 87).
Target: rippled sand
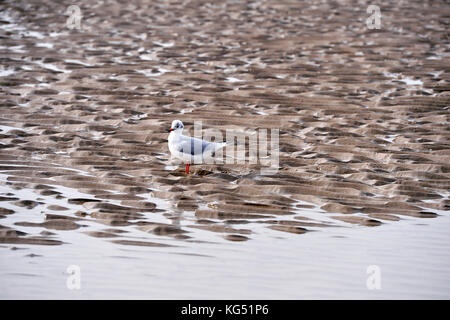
point(85, 176)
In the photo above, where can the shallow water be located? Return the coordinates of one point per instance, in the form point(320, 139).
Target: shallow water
point(412, 256)
point(315, 266)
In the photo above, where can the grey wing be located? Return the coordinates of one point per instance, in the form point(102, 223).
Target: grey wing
point(193, 146)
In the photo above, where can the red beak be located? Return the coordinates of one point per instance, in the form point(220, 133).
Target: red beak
point(170, 130)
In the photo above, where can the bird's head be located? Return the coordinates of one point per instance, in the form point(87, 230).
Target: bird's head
point(177, 126)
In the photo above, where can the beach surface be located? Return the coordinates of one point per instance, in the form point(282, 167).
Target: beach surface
point(86, 178)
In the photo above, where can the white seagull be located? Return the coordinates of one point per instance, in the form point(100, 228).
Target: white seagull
point(188, 149)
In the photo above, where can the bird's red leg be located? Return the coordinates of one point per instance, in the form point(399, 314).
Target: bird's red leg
point(187, 168)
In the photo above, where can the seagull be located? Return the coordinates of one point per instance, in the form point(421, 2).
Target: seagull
point(188, 149)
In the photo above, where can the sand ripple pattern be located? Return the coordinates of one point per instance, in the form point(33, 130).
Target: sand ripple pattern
point(363, 117)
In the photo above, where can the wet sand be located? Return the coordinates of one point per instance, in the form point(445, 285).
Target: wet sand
point(85, 175)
